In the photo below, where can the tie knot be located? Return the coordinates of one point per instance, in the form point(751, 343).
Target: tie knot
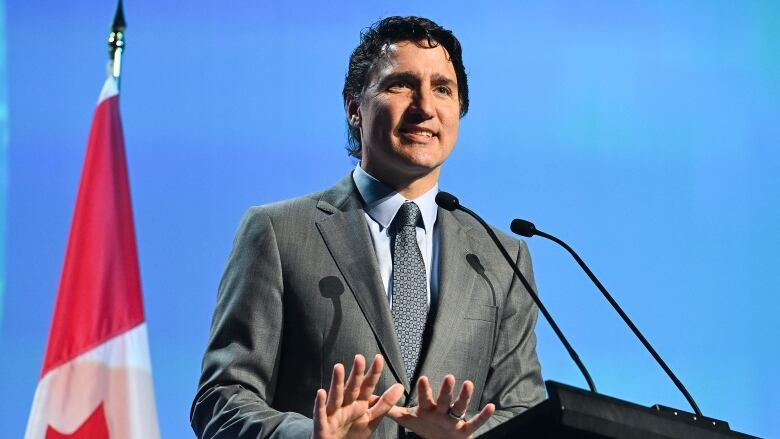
point(408, 214)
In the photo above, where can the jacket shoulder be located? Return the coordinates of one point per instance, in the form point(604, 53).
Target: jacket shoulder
point(341, 196)
point(284, 208)
point(479, 234)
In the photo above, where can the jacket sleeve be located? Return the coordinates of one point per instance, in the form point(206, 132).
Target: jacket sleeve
point(514, 382)
point(240, 366)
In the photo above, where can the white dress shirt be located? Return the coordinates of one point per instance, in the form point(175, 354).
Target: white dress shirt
point(381, 205)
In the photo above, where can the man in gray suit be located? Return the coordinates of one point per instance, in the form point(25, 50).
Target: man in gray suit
point(372, 267)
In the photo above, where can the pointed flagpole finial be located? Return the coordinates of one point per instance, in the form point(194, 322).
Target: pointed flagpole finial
point(119, 19)
point(116, 41)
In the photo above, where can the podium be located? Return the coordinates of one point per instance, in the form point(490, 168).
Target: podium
point(570, 412)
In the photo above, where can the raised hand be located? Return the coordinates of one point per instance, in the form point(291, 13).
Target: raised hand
point(352, 410)
point(441, 418)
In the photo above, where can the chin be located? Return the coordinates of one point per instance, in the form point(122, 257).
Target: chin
point(422, 165)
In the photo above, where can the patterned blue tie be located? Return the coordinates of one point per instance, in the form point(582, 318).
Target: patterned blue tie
point(410, 287)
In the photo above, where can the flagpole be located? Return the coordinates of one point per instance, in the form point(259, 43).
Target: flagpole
point(116, 42)
point(96, 378)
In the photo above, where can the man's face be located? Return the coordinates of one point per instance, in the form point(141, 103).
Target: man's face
point(409, 113)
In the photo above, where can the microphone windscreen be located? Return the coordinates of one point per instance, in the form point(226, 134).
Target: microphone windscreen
point(447, 201)
point(523, 227)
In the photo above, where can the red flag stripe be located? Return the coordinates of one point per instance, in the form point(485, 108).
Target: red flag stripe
point(99, 295)
point(95, 427)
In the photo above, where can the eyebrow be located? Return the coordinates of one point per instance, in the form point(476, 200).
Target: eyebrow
point(408, 76)
point(440, 79)
point(437, 78)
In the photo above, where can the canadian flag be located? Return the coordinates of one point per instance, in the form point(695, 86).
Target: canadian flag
point(96, 380)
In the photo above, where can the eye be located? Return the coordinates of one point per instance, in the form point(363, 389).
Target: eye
point(443, 89)
point(399, 84)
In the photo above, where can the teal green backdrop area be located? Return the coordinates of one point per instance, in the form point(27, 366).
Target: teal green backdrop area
point(644, 133)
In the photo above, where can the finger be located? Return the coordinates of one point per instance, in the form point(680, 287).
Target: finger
point(355, 379)
point(372, 378)
point(320, 415)
point(461, 404)
point(336, 392)
point(445, 394)
point(406, 417)
point(399, 414)
point(425, 394)
point(480, 418)
point(386, 402)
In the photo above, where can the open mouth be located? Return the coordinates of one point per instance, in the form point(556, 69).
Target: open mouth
point(417, 134)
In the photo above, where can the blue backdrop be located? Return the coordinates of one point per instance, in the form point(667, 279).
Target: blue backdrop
point(645, 134)
point(3, 156)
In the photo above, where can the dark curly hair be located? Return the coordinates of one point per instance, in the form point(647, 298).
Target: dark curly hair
point(373, 42)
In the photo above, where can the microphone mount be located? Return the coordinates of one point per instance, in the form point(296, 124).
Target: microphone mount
point(528, 229)
point(449, 202)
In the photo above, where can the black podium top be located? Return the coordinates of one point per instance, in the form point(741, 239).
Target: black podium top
point(570, 412)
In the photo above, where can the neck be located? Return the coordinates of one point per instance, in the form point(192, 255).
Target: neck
point(410, 187)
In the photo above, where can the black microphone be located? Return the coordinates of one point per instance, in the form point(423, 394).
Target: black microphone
point(523, 227)
point(527, 229)
point(449, 202)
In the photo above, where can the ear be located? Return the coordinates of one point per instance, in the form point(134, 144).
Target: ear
point(352, 108)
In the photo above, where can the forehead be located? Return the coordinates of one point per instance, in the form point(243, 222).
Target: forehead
point(413, 57)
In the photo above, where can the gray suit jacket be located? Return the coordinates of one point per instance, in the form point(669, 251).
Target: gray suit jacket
point(302, 291)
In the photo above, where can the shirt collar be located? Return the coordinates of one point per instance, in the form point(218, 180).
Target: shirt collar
point(382, 202)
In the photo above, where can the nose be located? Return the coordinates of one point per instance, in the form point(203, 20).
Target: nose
point(422, 104)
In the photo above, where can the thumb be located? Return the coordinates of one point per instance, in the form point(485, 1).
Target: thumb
point(386, 402)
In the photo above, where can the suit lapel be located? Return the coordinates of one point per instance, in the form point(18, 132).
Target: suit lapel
point(344, 230)
point(456, 284)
